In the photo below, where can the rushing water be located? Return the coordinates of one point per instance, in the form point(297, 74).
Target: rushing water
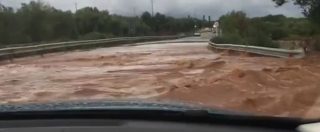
point(187, 72)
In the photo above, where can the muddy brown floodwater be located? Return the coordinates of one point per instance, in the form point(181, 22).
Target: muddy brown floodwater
point(185, 72)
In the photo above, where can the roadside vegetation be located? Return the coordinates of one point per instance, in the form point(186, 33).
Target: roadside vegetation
point(37, 22)
point(265, 31)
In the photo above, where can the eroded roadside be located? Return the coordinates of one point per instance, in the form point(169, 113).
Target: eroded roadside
point(187, 72)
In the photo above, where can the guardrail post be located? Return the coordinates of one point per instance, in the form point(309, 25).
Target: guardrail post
point(290, 55)
point(227, 51)
point(10, 59)
point(11, 56)
point(40, 53)
point(65, 49)
point(245, 53)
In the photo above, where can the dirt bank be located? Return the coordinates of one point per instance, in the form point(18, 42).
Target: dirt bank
point(174, 72)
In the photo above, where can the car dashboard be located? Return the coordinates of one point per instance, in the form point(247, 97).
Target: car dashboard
point(101, 125)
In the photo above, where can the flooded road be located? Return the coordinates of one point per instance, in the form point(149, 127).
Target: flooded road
point(186, 72)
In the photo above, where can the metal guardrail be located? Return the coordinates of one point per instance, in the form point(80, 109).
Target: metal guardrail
point(23, 51)
point(275, 52)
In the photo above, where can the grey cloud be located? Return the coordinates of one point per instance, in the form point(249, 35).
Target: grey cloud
point(177, 8)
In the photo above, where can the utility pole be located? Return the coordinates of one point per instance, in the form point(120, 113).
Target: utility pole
point(194, 14)
point(76, 20)
point(132, 23)
point(76, 6)
point(0, 5)
point(134, 11)
point(152, 7)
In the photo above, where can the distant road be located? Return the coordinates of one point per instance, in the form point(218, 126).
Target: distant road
point(180, 40)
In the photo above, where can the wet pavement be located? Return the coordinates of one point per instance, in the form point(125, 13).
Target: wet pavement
point(185, 72)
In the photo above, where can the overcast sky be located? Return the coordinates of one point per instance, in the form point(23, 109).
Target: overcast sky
point(177, 8)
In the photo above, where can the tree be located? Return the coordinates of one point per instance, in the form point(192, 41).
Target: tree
point(159, 21)
point(9, 26)
point(239, 29)
point(234, 22)
point(63, 25)
point(311, 8)
point(147, 18)
point(35, 17)
point(87, 20)
point(37, 21)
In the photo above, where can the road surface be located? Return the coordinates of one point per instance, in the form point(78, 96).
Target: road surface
point(172, 71)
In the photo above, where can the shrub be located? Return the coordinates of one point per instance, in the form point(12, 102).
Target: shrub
point(227, 39)
point(218, 40)
point(93, 35)
point(257, 37)
point(262, 41)
point(279, 33)
point(317, 44)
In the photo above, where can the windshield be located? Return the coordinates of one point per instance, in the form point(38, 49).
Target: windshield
point(253, 56)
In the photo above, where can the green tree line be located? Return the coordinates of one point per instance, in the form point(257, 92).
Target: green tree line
point(310, 8)
point(36, 22)
point(237, 28)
